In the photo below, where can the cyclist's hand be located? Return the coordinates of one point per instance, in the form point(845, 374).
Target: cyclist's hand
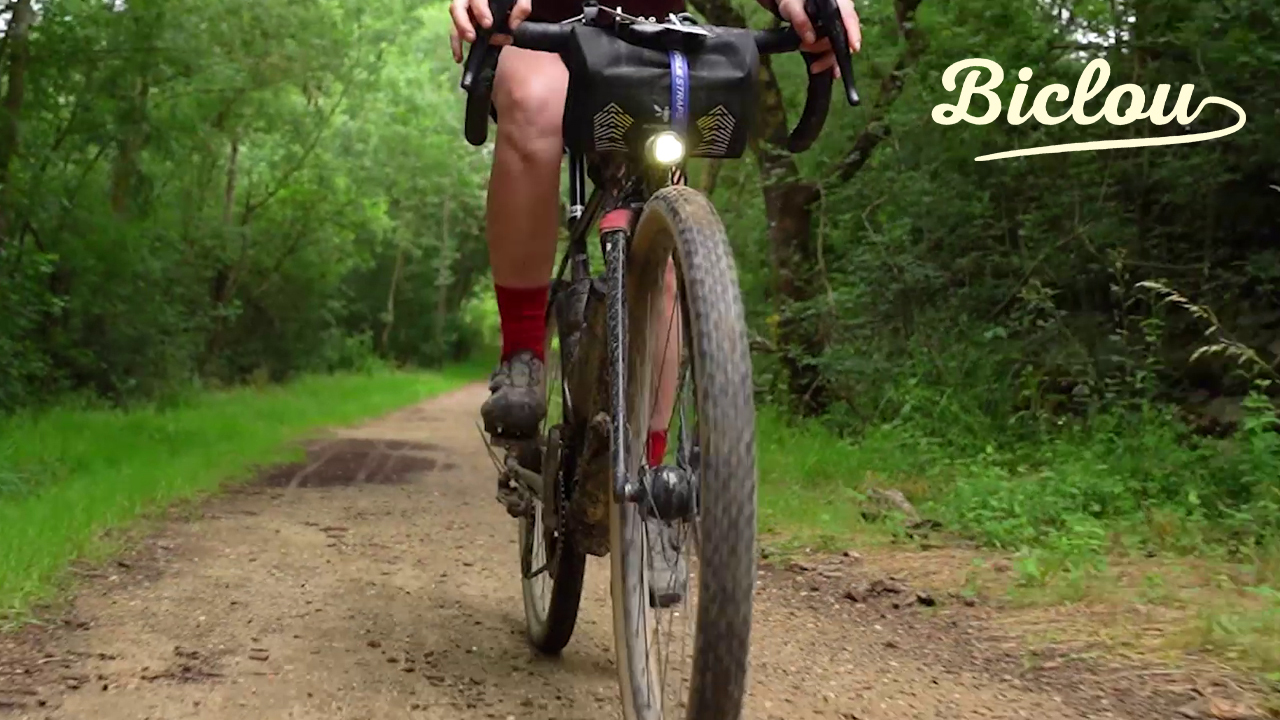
point(467, 13)
point(793, 12)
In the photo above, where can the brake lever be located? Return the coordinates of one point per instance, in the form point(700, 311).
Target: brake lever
point(825, 15)
point(479, 50)
point(475, 60)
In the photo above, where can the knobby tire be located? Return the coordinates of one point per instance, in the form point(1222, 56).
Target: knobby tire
point(681, 221)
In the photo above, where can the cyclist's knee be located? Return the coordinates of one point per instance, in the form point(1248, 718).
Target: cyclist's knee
point(528, 94)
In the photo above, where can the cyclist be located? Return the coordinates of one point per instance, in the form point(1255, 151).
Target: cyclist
point(529, 96)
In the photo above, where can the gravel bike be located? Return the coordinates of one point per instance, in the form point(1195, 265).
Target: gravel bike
point(644, 95)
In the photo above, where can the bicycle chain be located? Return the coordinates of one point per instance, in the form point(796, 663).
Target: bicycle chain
point(561, 490)
point(562, 496)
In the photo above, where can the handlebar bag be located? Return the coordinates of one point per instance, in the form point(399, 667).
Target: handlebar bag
point(620, 94)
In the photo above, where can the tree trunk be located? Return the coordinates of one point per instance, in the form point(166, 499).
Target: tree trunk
point(385, 341)
point(444, 276)
point(19, 54)
point(890, 88)
point(132, 138)
point(225, 275)
point(788, 202)
point(710, 176)
point(229, 188)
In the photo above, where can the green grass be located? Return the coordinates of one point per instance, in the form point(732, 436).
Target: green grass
point(812, 482)
point(1134, 481)
point(69, 475)
point(808, 482)
point(1077, 512)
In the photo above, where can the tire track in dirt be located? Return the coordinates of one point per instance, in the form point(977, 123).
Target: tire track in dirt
point(378, 580)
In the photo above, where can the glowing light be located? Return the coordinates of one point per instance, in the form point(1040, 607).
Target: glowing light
point(666, 148)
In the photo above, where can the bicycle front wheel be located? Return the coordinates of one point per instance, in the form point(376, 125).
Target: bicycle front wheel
point(689, 660)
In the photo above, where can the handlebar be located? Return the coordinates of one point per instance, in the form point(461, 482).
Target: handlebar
point(482, 60)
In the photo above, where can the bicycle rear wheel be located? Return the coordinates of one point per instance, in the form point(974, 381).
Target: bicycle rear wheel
point(678, 222)
point(553, 593)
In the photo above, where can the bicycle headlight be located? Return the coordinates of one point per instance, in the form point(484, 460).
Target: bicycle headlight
point(666, 148)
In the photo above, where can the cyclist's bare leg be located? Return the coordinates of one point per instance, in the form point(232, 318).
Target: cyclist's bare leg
point(664, 324)
point(521, 224)
point(668, 578)
point(523, 213)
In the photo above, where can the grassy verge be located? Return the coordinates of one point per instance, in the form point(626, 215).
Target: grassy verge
point(810, 483)
point(1111, 526)
point(68, 475)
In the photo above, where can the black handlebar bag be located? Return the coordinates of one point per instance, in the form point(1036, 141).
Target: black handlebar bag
point(620, 94)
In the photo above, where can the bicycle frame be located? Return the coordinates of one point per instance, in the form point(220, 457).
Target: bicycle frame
point(613, 207)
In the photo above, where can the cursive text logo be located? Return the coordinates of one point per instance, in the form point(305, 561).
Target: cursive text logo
point(1123, 105)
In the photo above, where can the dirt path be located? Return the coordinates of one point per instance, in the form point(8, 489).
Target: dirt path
point(378, 581)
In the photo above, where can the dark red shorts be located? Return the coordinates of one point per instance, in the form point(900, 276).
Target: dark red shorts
point(561, 10)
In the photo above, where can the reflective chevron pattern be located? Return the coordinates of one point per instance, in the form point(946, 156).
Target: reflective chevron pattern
point(608, 127)
point(716, 128)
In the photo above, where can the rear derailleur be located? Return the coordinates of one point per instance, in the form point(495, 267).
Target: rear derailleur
point(520, 477)
point(529, 471)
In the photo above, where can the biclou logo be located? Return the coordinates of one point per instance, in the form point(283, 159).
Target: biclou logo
point(1091, 83)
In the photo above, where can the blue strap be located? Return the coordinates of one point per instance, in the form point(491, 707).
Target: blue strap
point(679, 92)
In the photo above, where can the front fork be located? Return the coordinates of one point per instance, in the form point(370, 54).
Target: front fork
point(668, 497)
point(615, 232)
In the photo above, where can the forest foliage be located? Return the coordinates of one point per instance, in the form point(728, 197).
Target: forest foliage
point(199, 194)
point(1076, 349)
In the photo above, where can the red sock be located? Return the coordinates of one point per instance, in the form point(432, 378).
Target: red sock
point(657, 447)
point(524, 322)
